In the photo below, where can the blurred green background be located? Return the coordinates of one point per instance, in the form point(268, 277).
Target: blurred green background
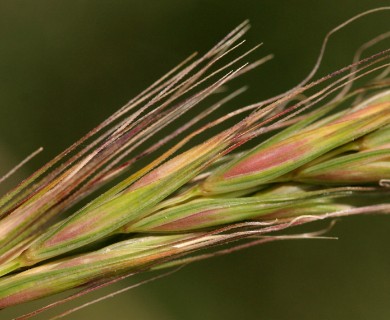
point(66, 65)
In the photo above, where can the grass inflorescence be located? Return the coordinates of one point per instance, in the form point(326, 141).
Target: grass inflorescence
point(322, 151)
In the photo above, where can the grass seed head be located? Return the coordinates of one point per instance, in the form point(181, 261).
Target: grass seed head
point(195, 197)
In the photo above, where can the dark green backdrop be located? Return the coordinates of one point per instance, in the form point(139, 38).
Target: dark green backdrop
point(66, 65)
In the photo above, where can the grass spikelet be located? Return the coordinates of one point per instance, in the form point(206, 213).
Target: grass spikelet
point(327, 145)
point(267, 164)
